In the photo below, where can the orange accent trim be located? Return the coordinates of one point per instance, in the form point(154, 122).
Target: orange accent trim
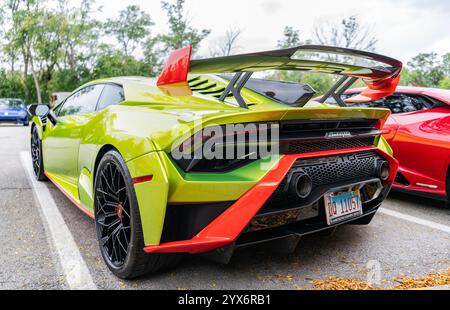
point(228, 226)
point(91, 215)
point(376, 90)
point(176, 68)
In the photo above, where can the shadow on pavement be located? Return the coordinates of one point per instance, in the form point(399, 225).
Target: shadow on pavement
point(415, 199)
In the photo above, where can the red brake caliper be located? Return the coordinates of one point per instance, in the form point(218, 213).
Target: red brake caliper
point(119, 210)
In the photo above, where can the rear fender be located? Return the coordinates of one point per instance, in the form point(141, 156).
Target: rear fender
point(151, 194)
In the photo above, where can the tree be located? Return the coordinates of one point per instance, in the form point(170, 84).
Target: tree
point(53, 43)
point(13, 13)
point(425, 70)
point(11, 85)
point(320, 82)
point(130, 28)
point(24, 37)
point(153, 56)
point(80, 35)
point(114, 63)
point(446, 64)
point(181, 32)
point(291, 38)
point(349, 33)
point(227, 44)
point(405, 77)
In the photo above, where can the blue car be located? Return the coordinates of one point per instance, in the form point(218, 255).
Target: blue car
point(13, 111)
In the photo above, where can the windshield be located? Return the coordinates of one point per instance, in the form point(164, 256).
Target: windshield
point(12, 103)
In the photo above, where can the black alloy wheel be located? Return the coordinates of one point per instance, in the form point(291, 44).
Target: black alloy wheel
point(113, 215)
point(36, 156)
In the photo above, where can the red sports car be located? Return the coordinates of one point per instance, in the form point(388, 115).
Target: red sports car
point(419, 133)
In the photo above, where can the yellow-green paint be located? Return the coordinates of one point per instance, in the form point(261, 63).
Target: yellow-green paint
point(143, 130)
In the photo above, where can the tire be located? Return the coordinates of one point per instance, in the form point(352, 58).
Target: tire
point(25, 124)
point(118, 222)
point(36, 155)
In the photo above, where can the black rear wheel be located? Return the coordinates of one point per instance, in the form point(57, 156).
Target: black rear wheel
point(118, 223)
point(36, 155)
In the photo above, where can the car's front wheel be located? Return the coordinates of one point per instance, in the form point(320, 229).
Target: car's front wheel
point(36, 155)
point(118, 222)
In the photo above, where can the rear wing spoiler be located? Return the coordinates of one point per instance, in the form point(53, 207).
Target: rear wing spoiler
point(380, 73)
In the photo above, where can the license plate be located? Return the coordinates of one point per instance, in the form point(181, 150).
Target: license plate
point(341, 206)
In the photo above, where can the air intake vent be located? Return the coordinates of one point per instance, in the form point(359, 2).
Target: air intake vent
point(324, 145)
point(401, 179)
point(203, 86)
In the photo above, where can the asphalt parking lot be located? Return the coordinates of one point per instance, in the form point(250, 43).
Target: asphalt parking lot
point(410, 237)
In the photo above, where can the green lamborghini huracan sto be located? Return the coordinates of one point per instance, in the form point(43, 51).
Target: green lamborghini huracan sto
point(145, 157)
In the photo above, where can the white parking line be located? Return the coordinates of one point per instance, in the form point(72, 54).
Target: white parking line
point(415, 220)
point(75, 269)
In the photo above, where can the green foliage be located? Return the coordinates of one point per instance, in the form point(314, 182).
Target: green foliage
point(80, 36)
point(320, 82)
point(66, 80)
point(130, 28)
point(181, 32)
point(11, 85)
point(291, 38)
point(425, 70)
point(153, 57)
point(445, 83)
point(44, 41)
point(45, 48)
point(116, 63)
point(446, 64)
point(58, 47)
point(405, 77)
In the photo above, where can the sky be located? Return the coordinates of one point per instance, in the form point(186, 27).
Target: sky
point(403, 28)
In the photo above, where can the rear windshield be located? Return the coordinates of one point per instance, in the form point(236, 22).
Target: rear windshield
point(12, 103)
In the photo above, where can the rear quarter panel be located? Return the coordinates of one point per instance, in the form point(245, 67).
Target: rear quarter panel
point(422, 145)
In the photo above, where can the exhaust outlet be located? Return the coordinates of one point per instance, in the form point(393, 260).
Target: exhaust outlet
point(383, 169)
point(300, 184)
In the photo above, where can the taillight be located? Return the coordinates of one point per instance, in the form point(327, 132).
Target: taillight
point(225, 147)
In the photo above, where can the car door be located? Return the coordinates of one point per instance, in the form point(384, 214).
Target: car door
point(416, 142)
point(61, 142)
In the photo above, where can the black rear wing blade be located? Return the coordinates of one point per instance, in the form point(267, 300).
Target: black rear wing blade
point(381, 73)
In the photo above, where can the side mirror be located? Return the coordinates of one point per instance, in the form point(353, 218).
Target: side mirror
point(42, 110)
